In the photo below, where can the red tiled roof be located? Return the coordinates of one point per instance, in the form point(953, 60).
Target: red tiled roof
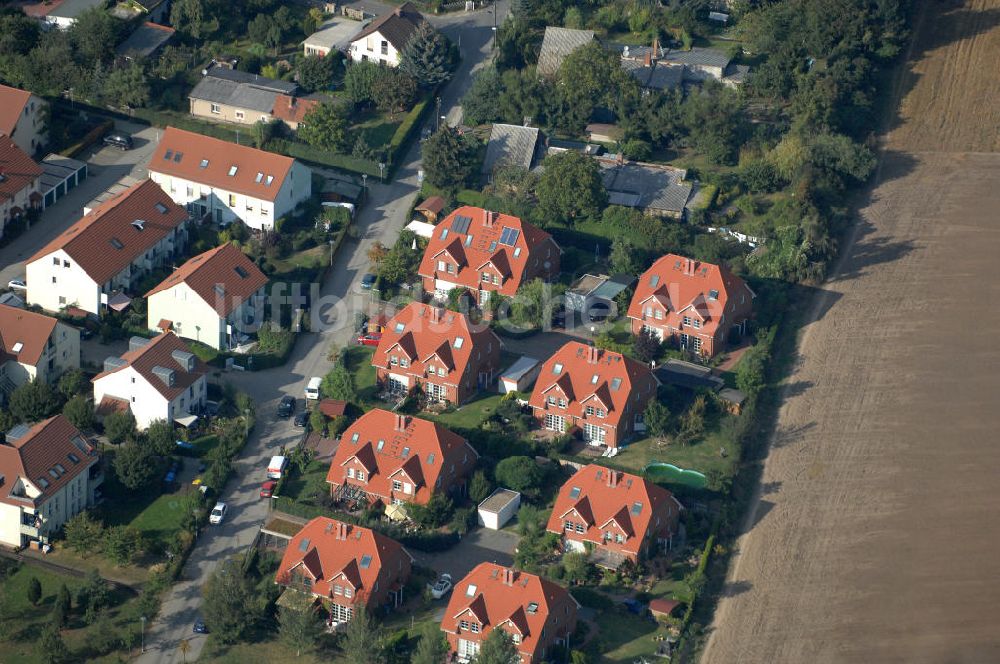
point(686, 287)
point(12, 101)
point(596, 495)
point(330, 551)
point(617, 379)
point(110, 405)
point(332, 407)
point(42, 457)
point(27, 328)
point(93, 241)
point(224, 267)
point(159, 353)
point(663, 606)
point(427, 333)
point(397, 26)
point(396, 447)
point(221, 156)
point(291, 109)
point(433, 204)
point(518, 601)
point(487, 230)
point(17, 170)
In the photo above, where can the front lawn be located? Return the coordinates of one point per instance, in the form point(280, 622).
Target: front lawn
point(469, 415)
point(23, 622)
point(358, 360)
point(309, 485)
point(624, 637)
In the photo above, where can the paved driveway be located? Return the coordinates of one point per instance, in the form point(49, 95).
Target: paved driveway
point(481, 545)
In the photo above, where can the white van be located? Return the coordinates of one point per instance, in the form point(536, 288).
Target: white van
point(276, 467)
point(312, 389)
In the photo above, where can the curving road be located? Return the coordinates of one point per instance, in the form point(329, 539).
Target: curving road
point(381, 219)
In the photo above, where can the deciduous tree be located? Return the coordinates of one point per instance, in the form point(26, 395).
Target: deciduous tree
point(134, 465)
point(119, 426)
point(498, 648)
point(316, 72)
point(229, 602)
point(363, 640)
point(571, 188)
point(447, 159)
point(325, 127)
point(80, 412)
point(299, 629)
point(33, 401)
point(657, 418)
point(126, 87)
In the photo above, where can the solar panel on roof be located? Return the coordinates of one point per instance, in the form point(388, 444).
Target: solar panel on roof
point(509, 236)
point(461, 224)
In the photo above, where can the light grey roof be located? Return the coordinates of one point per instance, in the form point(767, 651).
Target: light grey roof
point(513, 144)
point(523, 365)
point(557, 44)
point(657, 76)
point(146, 39)
point(334, 34)
point(737, 73)
point(697, 56)
point(239, 95)
point(73, 8)
point(256, 80)
point(646, 186)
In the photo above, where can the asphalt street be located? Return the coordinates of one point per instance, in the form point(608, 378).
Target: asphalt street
point(381, 219)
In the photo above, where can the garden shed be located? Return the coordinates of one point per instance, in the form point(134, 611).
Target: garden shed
point(499, 508)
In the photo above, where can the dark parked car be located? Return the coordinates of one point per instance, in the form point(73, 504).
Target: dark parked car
point(368, 281)
point(286, 407)
point(599, 312)
point(121, 141)
point(199, 627)
point(302, 419)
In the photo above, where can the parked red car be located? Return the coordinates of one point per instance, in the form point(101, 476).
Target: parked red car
point(267, 488)
point(370, 339)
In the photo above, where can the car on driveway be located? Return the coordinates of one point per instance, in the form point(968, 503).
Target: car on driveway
point(286, 407)
point(199, 627)
point(370, 339)
point(267, 488)
point(368, 281)
point(599, 312)
point(302, 419)
point(17, 284)
point(121, 141)
point(218, 514)
point(441, 587)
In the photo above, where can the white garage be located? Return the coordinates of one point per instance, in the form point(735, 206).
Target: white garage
point(499, 508)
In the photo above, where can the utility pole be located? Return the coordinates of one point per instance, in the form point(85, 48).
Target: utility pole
point(438, 113)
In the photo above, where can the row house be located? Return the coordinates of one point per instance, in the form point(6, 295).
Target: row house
point(397, 459)
point(49, 473)
point(616, 515)
point(598, 392)
point(211, 298)
point(441, 351)
point(22, 118)
point(344, 566)
point(96, 261)
point(694, 304)
point(537, 613)
point(157, 379)
point(34, 346)
point(486, 252)
point(226, 181)
point(20, 178)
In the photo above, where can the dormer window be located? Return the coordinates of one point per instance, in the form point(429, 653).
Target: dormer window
point(259, 178)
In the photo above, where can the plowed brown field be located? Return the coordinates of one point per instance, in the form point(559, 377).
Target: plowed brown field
point(876, 533)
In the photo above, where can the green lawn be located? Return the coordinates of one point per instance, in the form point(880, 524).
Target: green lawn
point(623, 636)
point(377, 128)
point(470, 415)
point(22, 622)
point(358, 360)
point(310, 484)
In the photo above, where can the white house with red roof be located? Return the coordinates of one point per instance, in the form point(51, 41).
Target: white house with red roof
point(34, 346)
point(537, 613)
point(94, 263)
point(600, 393)
point(397, 459)
point(50, 474)
point(157, 379)
point(342, 566)
point(211, 298)
point(617, 516)
point(695, 304)
point(20, 178)
point(486, 252)
point(384, 39)
point(22, 118)
point(442, 352)
point(226, 181)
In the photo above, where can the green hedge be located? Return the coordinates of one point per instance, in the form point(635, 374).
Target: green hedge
point(404, 132)
point(307, 152)
point(91, 137)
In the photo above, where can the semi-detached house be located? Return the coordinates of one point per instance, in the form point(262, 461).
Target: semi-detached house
point(157, 379)
point(22, 118)
point(344, 566)
point(34, 347)
point(48, 474)
point(95, 262)
point(212, 298)
point(19, 181)
point(226, 181)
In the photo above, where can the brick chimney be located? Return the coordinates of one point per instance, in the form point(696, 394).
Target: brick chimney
point(613, 476)
point(656, 47)
point(648, 60)
point(592, 353)
point(342, 530)
point(435, 314)
point(508, 576)
point(400, 422)
point(488, 219)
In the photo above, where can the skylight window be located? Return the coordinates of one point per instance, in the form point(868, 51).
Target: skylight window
point(380, 445)
point(203, 164)
point(177, 157)
point(16, 348)
point(654, 280)
point(713, 295)
point(493, 246)
point(594, 379)
point(269, 180)
point(61, 468)
point(240, 271)
point(169, 155)
point(459, 342)
point(471, 590)
point(406, 452)
point(74, 458)
point(574, 493)
point(259, 178)
point(532, 607)
point(366, 561)
point(517, 252)
point(53, 473)
point(304, 545)
point(468, 240)
point(636, 509)
point(139, 224)
point(116, 243)
point(557, 368)
point(616, 383)
point(354, 438)
point(430, 459)
point(232, 170)
point(42, 482)
point(399, 328)
point(444, 233)
point(161, 208)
